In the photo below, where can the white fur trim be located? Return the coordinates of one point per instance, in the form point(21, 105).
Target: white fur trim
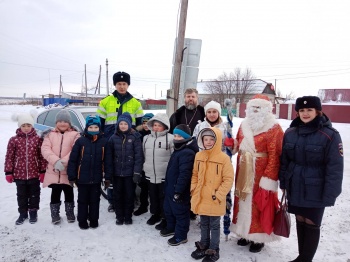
point(268, 184)
point(244, 217)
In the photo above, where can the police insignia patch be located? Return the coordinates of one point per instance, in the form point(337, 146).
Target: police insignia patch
point(341, 151)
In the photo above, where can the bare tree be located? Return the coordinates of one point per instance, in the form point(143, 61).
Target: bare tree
point(234, 85)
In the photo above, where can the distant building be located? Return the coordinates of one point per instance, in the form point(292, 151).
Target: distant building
point(334, 95)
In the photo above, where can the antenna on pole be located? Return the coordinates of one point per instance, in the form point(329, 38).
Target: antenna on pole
point(107, 85)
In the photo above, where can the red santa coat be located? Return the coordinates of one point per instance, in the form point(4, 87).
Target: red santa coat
point(253, 217)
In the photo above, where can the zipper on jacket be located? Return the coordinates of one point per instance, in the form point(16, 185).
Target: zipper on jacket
point(59, 172)
point(154, 164)
point(27, 156)
point(124, 138)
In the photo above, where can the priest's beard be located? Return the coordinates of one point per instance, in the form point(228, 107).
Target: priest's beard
point(190, 106)
point(257, 120)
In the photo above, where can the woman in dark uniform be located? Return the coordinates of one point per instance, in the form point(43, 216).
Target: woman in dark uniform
point(311, 171)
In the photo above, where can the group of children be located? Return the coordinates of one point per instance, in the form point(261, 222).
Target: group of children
point(183, 173)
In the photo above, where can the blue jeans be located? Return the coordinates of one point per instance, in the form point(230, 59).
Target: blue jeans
point(210, 231)
point(110, 196)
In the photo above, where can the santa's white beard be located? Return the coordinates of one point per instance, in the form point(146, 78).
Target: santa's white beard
point(257, 120)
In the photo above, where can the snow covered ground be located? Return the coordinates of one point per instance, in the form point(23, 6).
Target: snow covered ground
point(140, 242)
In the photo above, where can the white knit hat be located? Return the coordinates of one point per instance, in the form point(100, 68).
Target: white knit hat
point(213, 105)
point(25, 118)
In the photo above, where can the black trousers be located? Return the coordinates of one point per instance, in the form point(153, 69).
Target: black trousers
point(144, 192)
point(57, 190)
point(28, 194)
point(88, 202)
point(156, 197)
point(124, 196)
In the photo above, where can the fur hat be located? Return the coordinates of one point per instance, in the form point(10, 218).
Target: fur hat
point(64, 116)
point(261, 101)
point(182, 130)
point(147, 117)
point(308, 102)
point(126, 117)
point(25, 118)
point(213, 105)
point(93, 120)
point(121, 77)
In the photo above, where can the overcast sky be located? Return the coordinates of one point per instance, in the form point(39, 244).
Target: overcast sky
point(301, 45)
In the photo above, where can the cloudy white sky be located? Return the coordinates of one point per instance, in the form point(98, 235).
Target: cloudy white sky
point(301, 45)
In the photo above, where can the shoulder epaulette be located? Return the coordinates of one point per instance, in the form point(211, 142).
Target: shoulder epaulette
point(332, 128)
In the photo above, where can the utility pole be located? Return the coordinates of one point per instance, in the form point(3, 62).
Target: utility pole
point(107, 85)
point(179, 52)
point(85, 83)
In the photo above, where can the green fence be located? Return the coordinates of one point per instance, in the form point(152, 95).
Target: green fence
point(224, 111)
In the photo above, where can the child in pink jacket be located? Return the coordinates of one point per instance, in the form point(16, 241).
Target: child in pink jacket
point(56, 148)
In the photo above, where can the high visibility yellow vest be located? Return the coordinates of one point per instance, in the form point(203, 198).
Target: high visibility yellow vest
point(109, 108)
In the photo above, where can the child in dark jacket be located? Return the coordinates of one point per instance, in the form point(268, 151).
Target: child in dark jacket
point(124, 159)
point(177, 186)
point(25, 165)
point(85, 169)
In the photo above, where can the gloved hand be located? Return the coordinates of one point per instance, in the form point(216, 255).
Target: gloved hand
point(177, 198)
point(107, 184)
point(59, 166)
point(229, 142)
point(41, 177)
point(137, 178)
point(9, 178)
point(72, 183)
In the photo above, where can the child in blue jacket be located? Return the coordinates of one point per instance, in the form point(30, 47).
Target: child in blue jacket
point(85, 169)
point(124, 160)
point(177, 186)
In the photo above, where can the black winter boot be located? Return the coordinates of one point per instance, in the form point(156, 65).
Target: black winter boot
point(33, 216)
point(311, 239)
point(153, 219)
point(300, 235)
point(161, 225)
point(141, 210)
point(22, 217)
point(200, 251)
point(70, 211)
point(55, 213)
point(211, 255)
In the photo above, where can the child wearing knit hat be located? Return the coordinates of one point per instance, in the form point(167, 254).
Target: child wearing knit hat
point(123, 162)
point(56, 149)
point(177, 186)
point(25, 166)
point(85, 169)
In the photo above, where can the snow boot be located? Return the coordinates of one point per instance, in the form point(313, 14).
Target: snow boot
point(161, 225)
point(70, 211)
point(211, 255)
point(55, 213)
point(200, 251)
point(110, 208)
point(167, 232)
point(33, 216)
point(141, 210)
point(22, 217)
point(83, 225)
point(93, 223)
point(256, 247)
point(311, 239)
point(153, 219)
point(176, 241)
point(243, 242)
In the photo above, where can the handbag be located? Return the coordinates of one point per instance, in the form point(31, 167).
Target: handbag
point(281, 225)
